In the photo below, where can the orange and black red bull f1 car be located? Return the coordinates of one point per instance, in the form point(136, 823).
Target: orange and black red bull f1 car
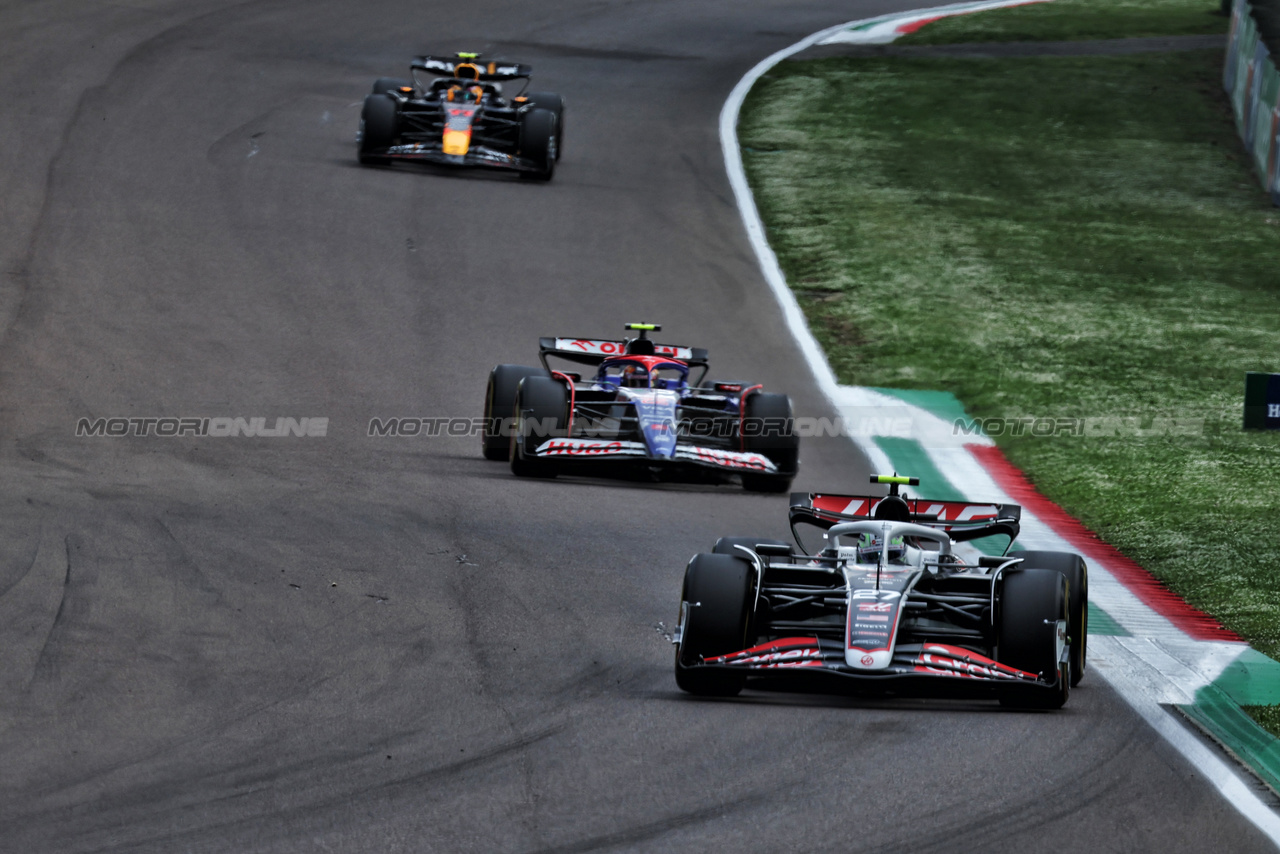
point(453, 112)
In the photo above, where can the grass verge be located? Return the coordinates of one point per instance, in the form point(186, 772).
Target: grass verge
point(1266, 716)
point(1072, 20)
point(1096, 251)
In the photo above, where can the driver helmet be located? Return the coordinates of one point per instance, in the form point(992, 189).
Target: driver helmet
point(869, 549)
point(635, 376)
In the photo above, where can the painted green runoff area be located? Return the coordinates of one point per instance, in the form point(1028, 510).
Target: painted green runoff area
point(1245, 695)
point(1068, 238)
point(1072, 20)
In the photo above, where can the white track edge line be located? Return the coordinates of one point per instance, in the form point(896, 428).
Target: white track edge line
point(1222, 776)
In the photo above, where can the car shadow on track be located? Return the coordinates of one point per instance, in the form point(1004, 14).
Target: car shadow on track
point(476, 466)
point(470, 173)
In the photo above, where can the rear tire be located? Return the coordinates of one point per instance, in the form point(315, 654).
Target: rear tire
point(772, 434)
point(553, 102)
point(500, 409)
point(1031, 601)
point(725, 545)
point(379, 126)
point(724, 587)
point(1077, 573)
point(540, 402)
point(538, 142)
point(383, 85)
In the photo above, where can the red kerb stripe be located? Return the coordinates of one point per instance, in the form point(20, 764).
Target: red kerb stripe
point(912, 26)
point(1141, 583)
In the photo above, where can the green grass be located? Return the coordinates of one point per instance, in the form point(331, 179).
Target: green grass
point(1098, 250)
point(1071, 20)
point(1268, 717)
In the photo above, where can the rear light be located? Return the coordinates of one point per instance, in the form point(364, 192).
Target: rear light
point(406, 89)
point(734, 387)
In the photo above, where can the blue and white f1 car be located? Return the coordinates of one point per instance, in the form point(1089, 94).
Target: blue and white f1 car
point(887, 604)
point(640, 411)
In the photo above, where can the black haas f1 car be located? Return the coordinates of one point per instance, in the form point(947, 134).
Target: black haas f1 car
point(886, 605)
point(639, 411)
point(461, 118)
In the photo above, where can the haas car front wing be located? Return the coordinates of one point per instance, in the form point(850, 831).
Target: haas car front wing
point(925, 668)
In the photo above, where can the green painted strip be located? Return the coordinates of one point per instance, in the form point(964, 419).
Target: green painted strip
point(1101, 623)
point(1219, 716)
point(1253, 679)
point(910, 458)
point(940, 404)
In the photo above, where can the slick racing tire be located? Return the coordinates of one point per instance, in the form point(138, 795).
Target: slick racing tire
point(553, 102)
point(720, 591)
point(538, 142)
point(1077, 573)
point(768, 429)
point(500, 409)
point(378, 128)
point(383, 85)
point(542, 412)
point(725, 545)
point(1031, 602)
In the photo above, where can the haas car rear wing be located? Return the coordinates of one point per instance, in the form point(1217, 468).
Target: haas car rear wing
point(486, 69)
point(962, 520)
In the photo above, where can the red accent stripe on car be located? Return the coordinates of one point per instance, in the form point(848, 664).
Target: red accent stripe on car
point(567, 380)
point(1144, 585)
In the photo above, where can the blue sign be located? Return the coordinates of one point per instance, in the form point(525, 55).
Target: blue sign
point(1261, 401)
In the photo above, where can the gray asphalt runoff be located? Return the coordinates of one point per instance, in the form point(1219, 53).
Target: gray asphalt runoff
point(351, 643)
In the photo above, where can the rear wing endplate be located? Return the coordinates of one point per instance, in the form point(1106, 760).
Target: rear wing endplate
point(962, 520)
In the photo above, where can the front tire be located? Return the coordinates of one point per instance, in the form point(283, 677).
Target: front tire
point(1077, 573)
point(769, 429)
point(553, 102)
point(542, 412)
point(500, 409)
point(1031, 603)
point(720, 591)
point(538, 143)
point(379, 126)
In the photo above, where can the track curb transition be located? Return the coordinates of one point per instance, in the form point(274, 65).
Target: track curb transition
point(1158, 653)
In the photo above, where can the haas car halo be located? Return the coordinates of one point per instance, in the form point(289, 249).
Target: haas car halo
point(640, 411)
point(887, 604)
point(461, 118)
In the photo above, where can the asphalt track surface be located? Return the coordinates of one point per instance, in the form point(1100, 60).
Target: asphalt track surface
point(373, 644)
